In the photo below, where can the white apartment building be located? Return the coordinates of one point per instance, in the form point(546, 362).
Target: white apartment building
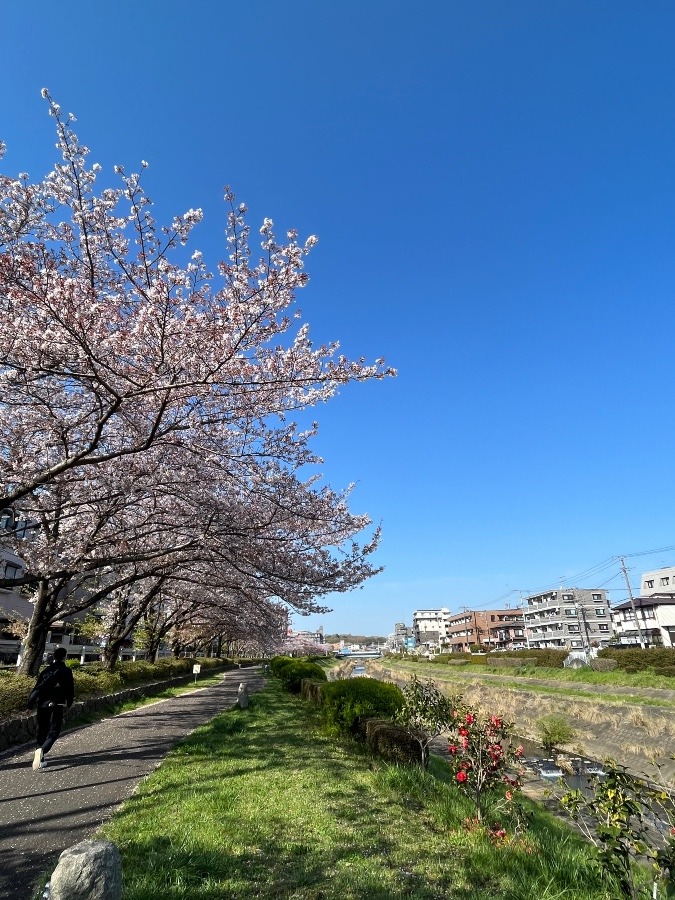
point(430, 627)
point(659, 581)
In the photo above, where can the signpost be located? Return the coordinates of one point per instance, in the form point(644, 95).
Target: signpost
point(196, 669)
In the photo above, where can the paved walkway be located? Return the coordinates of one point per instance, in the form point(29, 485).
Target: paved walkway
point(91, 771)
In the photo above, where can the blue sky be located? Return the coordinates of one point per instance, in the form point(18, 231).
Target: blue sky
point(493, 188)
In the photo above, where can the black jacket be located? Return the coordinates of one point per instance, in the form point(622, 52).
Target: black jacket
point(54, 685)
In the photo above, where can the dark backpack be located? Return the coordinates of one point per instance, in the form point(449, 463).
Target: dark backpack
point(45, 686)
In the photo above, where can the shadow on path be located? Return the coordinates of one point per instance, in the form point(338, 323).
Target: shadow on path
point(90, 771)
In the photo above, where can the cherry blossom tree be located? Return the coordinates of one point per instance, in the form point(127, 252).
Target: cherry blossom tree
point(144, 404)
point(110, 345)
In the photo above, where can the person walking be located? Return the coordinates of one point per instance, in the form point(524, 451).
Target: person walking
point(53, 691)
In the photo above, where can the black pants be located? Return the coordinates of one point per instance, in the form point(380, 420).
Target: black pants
point(49, 721)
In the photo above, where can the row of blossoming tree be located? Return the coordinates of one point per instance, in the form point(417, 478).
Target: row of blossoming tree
point(148, 453)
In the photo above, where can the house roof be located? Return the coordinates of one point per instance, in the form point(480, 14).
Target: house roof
point(648, 602)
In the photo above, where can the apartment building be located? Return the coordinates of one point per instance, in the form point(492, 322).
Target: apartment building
point(402, 637)
point(492, 629)
point(659, 581)
point(429, 627)
point(569, 618)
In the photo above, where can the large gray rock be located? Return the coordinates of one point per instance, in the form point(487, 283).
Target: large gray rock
point(91, 870)
point(242, 696)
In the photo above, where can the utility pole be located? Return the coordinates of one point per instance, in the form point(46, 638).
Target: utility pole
point(632, 602)
point(525, 629)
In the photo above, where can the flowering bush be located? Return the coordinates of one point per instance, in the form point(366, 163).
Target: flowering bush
point(484, 760)
point(426, 713)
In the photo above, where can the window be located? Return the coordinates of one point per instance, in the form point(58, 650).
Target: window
point(601, 612)
point(576, 643)
point(597, 598)
point(603, 627)
point(665, 580)
point(570, 612)
point(572, 628)
point(648, 613)
point(650, 583)
point(12, 571)
point(567, 597)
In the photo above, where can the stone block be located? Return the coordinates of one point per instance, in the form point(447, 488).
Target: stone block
point(91, 870)
point(242, 696)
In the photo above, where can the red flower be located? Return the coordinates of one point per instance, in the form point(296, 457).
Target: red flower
point(519, 751)
point(452, 748)
point(461, 776)
point(496, 721)
point(462, 732)
point(508, 795)
point(470, 719)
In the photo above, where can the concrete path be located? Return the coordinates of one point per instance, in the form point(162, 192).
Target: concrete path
point(91, 770)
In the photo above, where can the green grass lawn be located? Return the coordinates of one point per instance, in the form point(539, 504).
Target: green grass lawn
point(566, 677)
point(261, 804)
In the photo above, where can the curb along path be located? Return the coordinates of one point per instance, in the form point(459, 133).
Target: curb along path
point(90, 771)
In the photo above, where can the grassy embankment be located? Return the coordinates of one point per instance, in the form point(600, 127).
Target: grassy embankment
point(260, 803)
point(585, 679)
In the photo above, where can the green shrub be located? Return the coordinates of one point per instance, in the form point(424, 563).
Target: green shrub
point(639, 660)
point(555, 731)
point(292, 673)
point(603, 665)
point(548, 659)
point(344, 702)
point(506, 662)
point(94, 680)
point(278, 661)
point(14, 693)
point(392, 742)
point(451, 659)
point(665, 671)
point(73, 663)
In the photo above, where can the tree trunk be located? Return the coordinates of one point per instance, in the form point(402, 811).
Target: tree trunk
point(110, 654)
point(38, 629)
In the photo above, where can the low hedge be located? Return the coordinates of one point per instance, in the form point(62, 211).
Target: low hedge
point(639, 660)
point(665, 671)
point(450, 659)
point(93, 679)
point(293, 672)
point(603, 665)
point(506, 662)
point(277, 662)
point(542, 659)
point(346, 702)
